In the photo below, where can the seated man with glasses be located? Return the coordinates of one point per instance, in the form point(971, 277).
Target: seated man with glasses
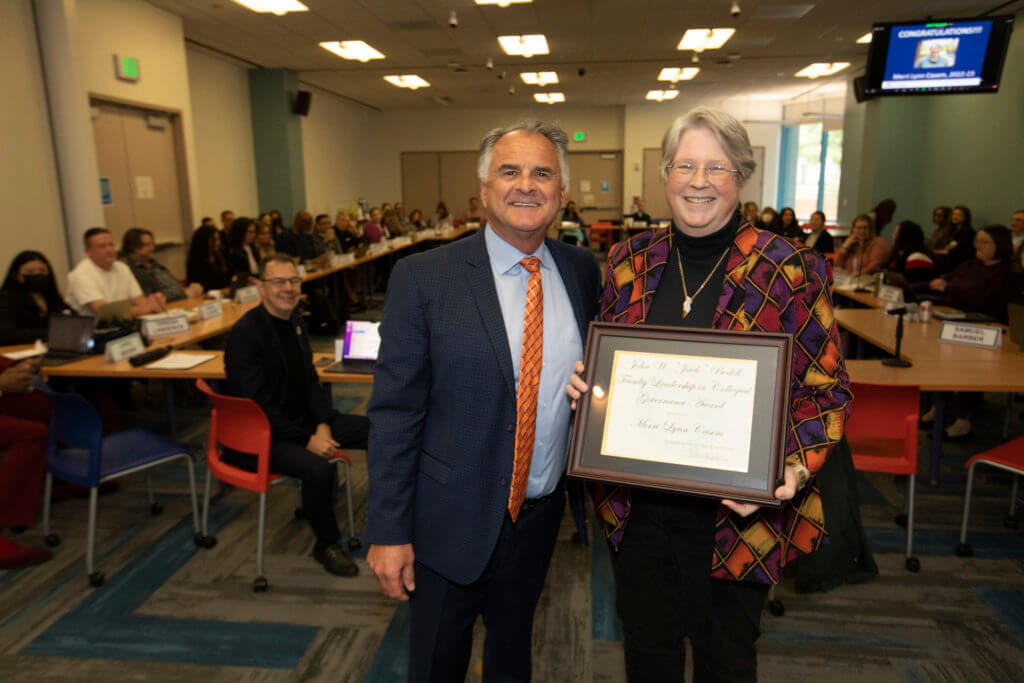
point(269, 359)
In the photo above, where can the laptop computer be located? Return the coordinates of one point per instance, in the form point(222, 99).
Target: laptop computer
point(69, 338)
point(360, 346)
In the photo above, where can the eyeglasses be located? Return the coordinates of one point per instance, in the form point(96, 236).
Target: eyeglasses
point(282, 281)
point(686, 169)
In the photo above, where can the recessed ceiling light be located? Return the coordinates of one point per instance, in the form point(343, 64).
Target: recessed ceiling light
point(549, 97)
point(500, 3)
point(675, 73)
point(662, 95)
point(278, 7)
point(352, 49)
point(864, 39)
point(543, 78)
point(410, 81)
point(819, 69)
point(699, 39)
point(524, 46)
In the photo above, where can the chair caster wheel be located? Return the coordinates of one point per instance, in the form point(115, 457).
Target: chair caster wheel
point(155, 509)
point(260, 585)
point(1011, 523)
point(300, 513)
point(964, 550)
point(204, 541)
point(913, 564)
point(97, 579)
point(354, 543)
point(776, 608)
point(900, 520)
point(52, 541)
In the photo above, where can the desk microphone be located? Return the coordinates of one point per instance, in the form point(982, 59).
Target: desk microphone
point(896, 361)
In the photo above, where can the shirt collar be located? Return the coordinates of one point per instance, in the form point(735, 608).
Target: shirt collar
point(504, 257)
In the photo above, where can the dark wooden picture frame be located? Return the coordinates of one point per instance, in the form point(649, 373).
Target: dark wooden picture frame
point(769, 424)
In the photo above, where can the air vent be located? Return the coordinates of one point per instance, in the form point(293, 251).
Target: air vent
point(781, 11)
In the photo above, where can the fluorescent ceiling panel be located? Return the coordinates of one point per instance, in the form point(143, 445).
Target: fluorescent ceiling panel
point(542, 78)
point(352, 49)
point(278, 7)
point(410, 81)
point(699, 39)
point(675, 73)
point(524, 46)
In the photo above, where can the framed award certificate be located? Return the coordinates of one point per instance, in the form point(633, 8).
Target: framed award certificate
point(696, 411)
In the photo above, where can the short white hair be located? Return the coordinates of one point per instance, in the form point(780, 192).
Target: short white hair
point(555, 135)
point(729, 132)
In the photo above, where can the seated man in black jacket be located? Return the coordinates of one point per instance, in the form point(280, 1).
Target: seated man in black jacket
point(268, 359)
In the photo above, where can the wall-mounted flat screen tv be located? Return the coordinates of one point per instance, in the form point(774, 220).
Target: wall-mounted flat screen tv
point(937, 57)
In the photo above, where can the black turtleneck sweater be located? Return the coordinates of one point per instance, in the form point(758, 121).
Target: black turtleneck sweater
point(699, 256)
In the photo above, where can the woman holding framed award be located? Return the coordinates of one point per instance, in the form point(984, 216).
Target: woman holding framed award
point(699, 566)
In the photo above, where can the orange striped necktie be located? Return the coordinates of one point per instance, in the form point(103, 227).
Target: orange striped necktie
point(529, 384)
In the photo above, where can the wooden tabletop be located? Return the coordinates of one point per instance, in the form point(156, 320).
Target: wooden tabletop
point(965, 376)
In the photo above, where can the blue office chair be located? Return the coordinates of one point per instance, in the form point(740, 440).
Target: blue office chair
point(80, 454)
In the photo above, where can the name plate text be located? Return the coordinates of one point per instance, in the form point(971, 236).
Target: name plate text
point(211, 309)
point(165, 325)
point(123, 348)
point(246, 294)
point(985, 336)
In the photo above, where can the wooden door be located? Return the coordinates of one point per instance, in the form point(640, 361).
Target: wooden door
point(595, 184)
point(421, 182)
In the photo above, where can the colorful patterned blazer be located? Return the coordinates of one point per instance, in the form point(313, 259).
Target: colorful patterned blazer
point(771, 285)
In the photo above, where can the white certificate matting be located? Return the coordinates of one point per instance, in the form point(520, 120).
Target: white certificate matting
point(683, 410)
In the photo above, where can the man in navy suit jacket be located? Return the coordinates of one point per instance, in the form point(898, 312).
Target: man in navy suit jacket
point(443, 416)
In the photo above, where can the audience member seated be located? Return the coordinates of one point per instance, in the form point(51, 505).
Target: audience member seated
point(391, 224)
point(100, 278)
point(205, 263)
point(239, 254)
point(909, 257)
point(227, 218)
point(819, 238)
point(23, 444)
point(207, 222)
point(787, 225)
point(277, 222)
point(943, 233)
point(137, 247)
point(400, 212)
point(474, 214)
point(863, 252)
point(750, 213)
point(373, 231)
point(347, 232)
point(28, 296)
point(961, 247)
point(639, 215)
point(571, 215)
point(980, 283)
point(441, 217)
point(264, 244)
point(268, 359)
point(298, 241)
point(881, 215)
point(325, 237)
point(1017, 229)
point(416, 222)
point(768, 218)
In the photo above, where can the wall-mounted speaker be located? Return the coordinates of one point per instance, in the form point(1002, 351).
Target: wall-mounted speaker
point(858, 90)
point(302, 101)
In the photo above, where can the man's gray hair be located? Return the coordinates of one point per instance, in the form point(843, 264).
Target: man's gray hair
point(555, 135)
point(729, 132)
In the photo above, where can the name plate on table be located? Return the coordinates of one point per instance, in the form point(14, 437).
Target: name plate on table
point(123, 348)
point(890, 294)
point(985, 336)
point(401, 241)
point(163, 325)
point(378, 248)
point(695, 411)
point(246, 294)
point(339, 260)
point(211, 309)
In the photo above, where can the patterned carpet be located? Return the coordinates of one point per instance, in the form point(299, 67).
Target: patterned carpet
point(172, 612)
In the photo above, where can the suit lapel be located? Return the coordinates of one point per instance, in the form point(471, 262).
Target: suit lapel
point(572, 286)
point(485, 296)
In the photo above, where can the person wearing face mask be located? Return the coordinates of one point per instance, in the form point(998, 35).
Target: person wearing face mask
point(28, 296)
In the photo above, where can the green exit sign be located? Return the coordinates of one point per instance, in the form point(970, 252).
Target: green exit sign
point(579, 136)
point(126, 68)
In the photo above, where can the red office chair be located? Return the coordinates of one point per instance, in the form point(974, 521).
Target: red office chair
point(241, 425)
point(882, 432)
point(601, 232)
point(1009, 457)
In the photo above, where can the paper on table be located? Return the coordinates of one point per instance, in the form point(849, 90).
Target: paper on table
point(39, 349)
point(181, 361)
point(683, 410)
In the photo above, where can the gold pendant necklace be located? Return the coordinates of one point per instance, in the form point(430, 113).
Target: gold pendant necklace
point(687, 299)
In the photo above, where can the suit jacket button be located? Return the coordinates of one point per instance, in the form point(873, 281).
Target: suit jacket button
point(511, 426)
point(504, 483)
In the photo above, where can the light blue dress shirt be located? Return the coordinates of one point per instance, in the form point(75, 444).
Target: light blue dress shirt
point(562, 347)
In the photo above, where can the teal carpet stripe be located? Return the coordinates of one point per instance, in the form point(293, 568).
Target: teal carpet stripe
point(1008, 604)
point(103, 624)
point(987, 545)
point(606, 624)
point(391, 663)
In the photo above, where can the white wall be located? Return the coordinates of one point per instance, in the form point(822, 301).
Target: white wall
point(645, 124)
point(336, 147)
point(29, 191)
point(225, 160)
